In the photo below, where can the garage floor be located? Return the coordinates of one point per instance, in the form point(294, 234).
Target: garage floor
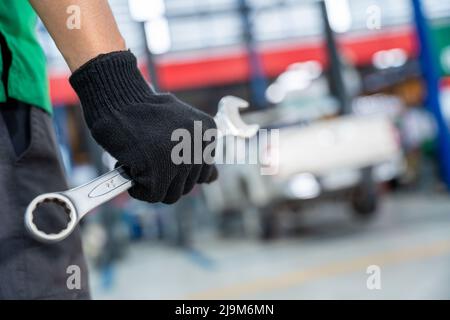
point(325, 258)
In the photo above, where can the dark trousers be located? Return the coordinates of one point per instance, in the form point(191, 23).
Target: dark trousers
point(30, 165)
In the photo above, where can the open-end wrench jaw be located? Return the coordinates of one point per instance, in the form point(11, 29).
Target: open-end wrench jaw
point(229, 121)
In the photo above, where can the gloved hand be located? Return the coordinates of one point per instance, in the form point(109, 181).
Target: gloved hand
point(135, 125)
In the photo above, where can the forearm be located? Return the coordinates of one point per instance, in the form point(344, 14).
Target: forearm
point(98, 32)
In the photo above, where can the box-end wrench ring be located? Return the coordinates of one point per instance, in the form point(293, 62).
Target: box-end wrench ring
point(78, 202)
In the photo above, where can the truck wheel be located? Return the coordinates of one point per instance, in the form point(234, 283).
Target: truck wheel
point(364, 202)
point(364, 198)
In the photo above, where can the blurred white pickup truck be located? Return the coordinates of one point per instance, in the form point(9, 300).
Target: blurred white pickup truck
point(346, 157)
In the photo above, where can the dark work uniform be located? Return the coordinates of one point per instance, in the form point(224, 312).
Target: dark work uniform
point(30, 165)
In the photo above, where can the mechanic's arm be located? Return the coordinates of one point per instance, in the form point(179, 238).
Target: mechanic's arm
point(125, 116)
point(98, 33)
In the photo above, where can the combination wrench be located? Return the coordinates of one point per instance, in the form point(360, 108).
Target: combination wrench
point(77, 202)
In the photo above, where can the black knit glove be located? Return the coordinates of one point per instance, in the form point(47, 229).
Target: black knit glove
point(135, 125)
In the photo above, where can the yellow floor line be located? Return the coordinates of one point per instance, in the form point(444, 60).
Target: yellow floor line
point(292, 279)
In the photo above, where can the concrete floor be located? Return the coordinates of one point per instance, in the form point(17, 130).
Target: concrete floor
point(326, 258)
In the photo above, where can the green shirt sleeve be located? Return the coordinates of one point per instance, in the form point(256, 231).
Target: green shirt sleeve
point(27, 80)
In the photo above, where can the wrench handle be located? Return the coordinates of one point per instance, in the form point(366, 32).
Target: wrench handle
point(100, 190)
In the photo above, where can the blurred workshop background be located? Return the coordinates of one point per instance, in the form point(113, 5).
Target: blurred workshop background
point(360, 93)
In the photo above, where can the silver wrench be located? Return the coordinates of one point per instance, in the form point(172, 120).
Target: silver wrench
point(81, 200)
